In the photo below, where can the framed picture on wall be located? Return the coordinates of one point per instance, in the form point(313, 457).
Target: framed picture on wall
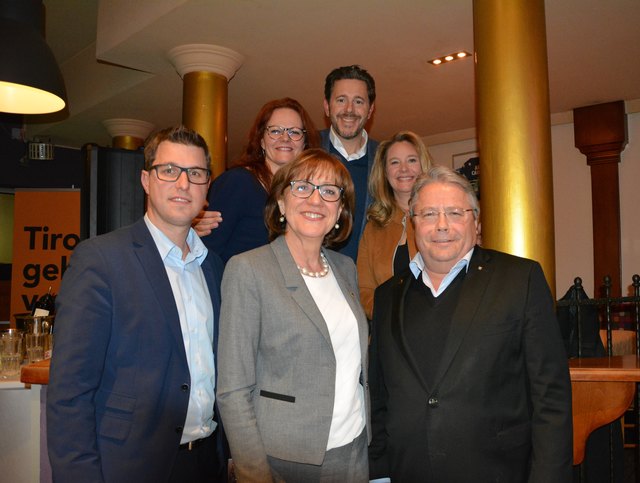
point(468, 165)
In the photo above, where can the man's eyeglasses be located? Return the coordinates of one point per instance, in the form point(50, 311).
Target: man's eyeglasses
point(170, 172)
point(304, 189)
point(276, 132)
point(453, 215)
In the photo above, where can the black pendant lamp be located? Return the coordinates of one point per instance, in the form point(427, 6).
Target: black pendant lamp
point(30, 79)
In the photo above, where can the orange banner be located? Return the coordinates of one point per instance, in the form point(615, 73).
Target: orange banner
point(46, 229)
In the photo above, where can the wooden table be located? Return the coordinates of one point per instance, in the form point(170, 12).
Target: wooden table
point(602, 388)
point(36, 372)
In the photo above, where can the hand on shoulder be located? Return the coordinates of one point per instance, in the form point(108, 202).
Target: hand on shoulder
point(206, 222)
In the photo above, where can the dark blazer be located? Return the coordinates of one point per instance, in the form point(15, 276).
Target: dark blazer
point(240, 197)
point(119, 381)
point(499, 409)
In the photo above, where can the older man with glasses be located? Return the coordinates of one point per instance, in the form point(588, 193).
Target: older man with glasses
point(468, 377)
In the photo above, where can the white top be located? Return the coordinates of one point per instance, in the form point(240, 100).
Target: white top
point(195, 312)
point(348, 418)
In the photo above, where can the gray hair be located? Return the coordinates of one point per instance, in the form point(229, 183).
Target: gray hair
point(446, 175)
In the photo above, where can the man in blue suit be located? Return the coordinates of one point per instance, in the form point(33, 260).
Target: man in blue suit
point(132, 384)
point(349, 97)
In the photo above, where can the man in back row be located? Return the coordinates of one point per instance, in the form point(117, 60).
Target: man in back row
point(349, 97)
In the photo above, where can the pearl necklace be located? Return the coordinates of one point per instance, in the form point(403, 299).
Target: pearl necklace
point(321, 273)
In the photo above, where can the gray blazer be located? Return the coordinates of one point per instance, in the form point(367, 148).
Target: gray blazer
point(276, 362)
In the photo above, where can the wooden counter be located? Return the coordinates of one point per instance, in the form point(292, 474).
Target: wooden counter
point(36, 372)
point(602, 390)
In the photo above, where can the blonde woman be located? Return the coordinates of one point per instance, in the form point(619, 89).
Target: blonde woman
point(387, 243)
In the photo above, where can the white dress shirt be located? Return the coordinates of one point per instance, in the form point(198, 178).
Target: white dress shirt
point(337, 143)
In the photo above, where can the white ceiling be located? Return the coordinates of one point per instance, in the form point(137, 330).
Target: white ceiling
point(290, 46)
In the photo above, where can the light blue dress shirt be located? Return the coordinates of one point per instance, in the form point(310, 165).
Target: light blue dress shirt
point(417, 266)
point(195, 311)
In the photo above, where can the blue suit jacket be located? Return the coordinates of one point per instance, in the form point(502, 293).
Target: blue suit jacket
point(119, 381)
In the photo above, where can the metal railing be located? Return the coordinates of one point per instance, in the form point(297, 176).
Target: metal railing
point(581, 319)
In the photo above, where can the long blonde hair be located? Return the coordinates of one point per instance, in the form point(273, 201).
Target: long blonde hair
point(384, 205)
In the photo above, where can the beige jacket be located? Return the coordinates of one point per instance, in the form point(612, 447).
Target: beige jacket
point(376, 253)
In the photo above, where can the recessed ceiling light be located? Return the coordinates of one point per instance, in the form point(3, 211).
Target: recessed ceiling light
point(449, 57)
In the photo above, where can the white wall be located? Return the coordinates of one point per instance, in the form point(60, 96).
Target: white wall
point(630, 202)
point(442, 153)
point(572, 203)
point(572, 212)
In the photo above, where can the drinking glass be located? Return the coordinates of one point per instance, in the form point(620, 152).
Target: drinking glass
point(10, 354)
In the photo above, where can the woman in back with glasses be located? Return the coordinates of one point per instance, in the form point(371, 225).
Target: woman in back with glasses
point(292, 359)
point(280, 132)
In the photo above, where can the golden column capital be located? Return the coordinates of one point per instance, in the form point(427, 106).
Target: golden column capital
point(127, 133)
point(205, 71)
point(205, 58)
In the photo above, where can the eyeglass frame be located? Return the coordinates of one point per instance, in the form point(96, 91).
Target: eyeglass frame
point(285, 130)
point(182, 170)
point(446, 212)
point(315, 187)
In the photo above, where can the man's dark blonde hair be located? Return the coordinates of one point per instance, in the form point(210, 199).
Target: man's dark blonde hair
point(175, 134)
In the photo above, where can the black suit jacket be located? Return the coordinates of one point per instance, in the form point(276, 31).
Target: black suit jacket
point(499, 409)
point(118, 389)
